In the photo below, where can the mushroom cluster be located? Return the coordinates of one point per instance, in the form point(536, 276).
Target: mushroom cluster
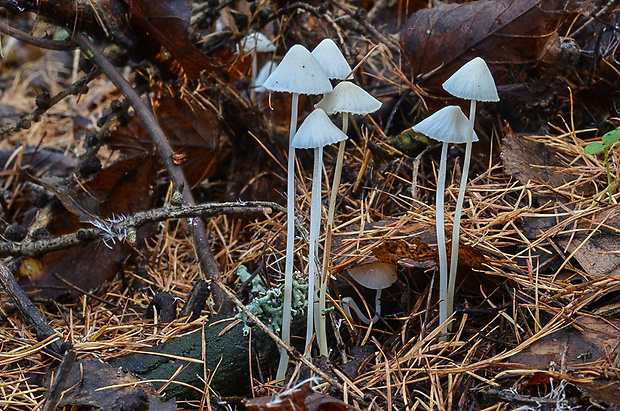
point(472, 82)
point(309, 73)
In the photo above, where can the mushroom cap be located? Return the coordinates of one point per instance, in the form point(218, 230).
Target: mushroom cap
point(316, 131)
point(473, 81)
point(262, 75)
point(448, 125)
point(349, 98)
point(255, 40)
point(375, 275)
point(331, 59)
point(299, 72)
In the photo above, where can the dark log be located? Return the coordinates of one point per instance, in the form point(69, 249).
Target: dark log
point(227, 358)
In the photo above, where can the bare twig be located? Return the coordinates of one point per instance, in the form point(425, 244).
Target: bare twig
point(36, 41)
point(123, 227)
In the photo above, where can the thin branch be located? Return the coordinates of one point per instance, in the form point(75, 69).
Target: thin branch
point(122, 227)
point(36, 41)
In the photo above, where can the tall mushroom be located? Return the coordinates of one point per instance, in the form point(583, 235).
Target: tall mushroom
point(316, 132)
point(297, 73)
point(472, 82)
point(346, 98)
point(448, 125)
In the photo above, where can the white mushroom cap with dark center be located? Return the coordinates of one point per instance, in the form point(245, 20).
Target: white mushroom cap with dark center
point(473, 81)
point(317, 131)
point(375, 276)
point(448, 125)
point(256, 40)
point(349, 98)
point(331, 59)
point(299, 72)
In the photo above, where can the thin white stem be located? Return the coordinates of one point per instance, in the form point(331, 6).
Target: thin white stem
point(454, 254)
point(322, 331)
point(290, 242)
point(377, 307)
point(441, 237)
point(315, 228)
point(253, 76)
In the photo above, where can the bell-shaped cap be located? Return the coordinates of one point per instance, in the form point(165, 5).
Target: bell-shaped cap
point(448, 125)
point(349, 98)
point(331, 59)
point(473, 81)
point(375, 275)
point(316, 131)
point(299, 72)
point(255, 40)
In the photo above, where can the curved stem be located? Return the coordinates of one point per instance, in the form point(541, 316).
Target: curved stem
point(441, 237)
point(290, 242)
point(315, 228)
point(322, 331)
point(454, 254)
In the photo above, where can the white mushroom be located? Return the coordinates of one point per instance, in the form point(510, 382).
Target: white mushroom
point(472, 82)
point(256, 42)
point(297, 73)
point(316, 132)
point(448, 125)
point(376, 276)
point(346, 98)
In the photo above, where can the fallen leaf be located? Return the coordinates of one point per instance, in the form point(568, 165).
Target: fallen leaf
point(506, 31)
point(97, 384)
point(588, 340)
point(302, 398)
point(166, 22)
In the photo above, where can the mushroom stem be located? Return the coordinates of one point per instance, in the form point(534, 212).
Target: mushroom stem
point(254, 72)
point(315, 227)
point(454, 254)
point(290, 242)
point(322, 331)
point(377, 307)
point(441, 238)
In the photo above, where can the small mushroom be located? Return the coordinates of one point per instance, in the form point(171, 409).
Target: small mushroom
point(297, 73)
point(448, 125)
point(472, 82)
point(256, 42)
point(316, 132)
point(376, 276)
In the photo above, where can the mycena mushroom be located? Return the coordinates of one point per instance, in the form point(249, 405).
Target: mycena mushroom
point(346, 98)
point(376, 276)
point(448, 125)
point(297, 73)
point(472, 82)
point(316, 132)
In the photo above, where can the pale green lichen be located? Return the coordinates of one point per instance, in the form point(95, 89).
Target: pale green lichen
point(267, 303)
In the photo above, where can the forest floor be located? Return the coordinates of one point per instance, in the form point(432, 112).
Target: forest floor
point(89, 194)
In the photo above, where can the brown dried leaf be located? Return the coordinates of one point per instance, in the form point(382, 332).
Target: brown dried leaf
point(505, 31)
point(167, 23)
point(302, 398)
point(97, 384)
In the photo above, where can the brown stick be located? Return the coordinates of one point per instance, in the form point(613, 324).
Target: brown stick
point(207, 262)
point(28, 310)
